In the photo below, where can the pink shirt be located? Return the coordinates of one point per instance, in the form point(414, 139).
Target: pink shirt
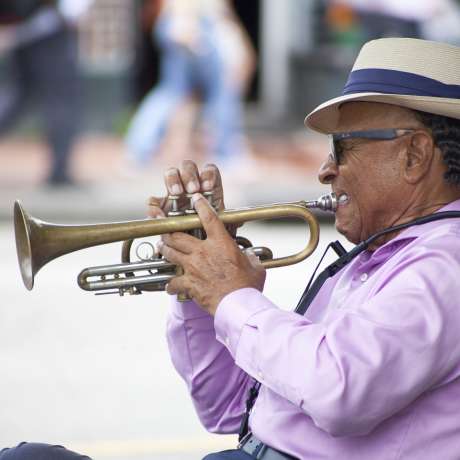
point(371, 372)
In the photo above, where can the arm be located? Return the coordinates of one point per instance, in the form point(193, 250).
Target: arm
point(366, 361)
point(217, 386)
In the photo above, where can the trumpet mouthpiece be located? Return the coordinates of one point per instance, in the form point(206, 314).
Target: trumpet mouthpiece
point(325, 203)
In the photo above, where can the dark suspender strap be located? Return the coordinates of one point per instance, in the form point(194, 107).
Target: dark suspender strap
point(252, 396)
point(311, 290)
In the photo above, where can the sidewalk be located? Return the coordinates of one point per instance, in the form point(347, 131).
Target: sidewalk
point(281, 168)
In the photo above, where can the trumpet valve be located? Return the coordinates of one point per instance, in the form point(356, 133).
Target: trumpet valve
point(175, 211)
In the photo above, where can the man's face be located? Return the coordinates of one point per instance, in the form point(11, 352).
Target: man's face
point(369, 180)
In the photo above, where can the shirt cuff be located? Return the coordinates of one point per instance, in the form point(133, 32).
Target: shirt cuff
point(187, 310)
point(233, 313)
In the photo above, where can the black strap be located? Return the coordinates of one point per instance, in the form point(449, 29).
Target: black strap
point(250, 401)
point(312, 289)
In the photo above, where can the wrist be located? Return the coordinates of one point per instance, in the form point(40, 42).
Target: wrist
point(219, 298)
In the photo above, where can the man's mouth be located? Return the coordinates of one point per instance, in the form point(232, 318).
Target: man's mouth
point(342, 199)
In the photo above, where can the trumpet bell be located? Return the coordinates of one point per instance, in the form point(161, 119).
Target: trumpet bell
point(22, 233)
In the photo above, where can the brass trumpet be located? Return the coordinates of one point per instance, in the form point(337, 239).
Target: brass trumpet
point(39, 242)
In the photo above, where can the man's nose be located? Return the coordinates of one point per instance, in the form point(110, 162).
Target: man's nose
point(328, 171)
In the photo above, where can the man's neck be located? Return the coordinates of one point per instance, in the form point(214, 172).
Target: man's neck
point(422, 207)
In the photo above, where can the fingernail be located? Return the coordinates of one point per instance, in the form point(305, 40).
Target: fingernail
point(192, 187)
point(207, 185)
point(196, 197)
point(176, 189)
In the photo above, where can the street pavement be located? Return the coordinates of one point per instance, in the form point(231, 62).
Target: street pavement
point(93, 372)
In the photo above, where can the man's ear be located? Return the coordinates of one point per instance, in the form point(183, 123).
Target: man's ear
point(419, 157)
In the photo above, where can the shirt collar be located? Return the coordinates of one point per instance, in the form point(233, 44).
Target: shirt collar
point(413, 232)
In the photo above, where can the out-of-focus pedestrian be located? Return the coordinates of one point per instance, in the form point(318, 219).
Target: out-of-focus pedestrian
point(205, 52)
point(39, 38)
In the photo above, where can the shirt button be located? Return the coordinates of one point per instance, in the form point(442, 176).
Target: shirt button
point(227, 341)
point(260, 375)
point(364, 277)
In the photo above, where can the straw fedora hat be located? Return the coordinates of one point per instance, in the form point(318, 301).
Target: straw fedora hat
point(417, 74)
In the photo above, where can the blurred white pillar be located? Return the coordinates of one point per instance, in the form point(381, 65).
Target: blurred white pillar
point(275, 57)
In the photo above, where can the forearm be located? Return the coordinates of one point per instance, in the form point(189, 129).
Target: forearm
point(217, 386)
point(349, 372)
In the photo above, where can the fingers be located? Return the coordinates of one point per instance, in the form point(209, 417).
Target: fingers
point(188, 179)
point(211, 181)
point(178, 286)
point(173, 182)
point(210, 178)
point(190, 176)
point(169, 253)
point(155, 207)
point(183, 180)
point(181, 242)
point(172, 287)
point(212, 225)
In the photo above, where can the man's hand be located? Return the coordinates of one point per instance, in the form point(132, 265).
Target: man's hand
point(213, 267)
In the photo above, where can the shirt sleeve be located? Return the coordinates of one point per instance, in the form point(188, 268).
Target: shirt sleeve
point(370, 359)
point(217, 386)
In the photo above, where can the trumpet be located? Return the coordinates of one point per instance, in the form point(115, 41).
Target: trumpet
point(39, 242)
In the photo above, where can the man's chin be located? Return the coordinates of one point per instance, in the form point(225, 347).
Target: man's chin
point(347, 233)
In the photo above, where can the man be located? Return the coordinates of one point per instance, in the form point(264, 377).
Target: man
point(372, 371)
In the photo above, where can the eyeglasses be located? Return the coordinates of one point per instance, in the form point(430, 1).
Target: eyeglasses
point(337, 150)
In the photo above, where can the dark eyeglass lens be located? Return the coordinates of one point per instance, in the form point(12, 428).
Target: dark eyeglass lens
point(337, 151)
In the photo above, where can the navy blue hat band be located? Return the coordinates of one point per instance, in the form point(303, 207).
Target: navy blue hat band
point(396, 82)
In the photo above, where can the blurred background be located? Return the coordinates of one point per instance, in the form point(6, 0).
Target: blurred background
point(97, 99)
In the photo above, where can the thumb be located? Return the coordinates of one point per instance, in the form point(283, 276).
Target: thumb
point(212, 225)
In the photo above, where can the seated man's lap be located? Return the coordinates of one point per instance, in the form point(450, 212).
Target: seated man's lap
point(38, 451)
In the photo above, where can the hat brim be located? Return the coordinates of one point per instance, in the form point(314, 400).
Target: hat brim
point(325, 117)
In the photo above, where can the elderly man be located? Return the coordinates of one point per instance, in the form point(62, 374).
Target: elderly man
point(372, 371)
